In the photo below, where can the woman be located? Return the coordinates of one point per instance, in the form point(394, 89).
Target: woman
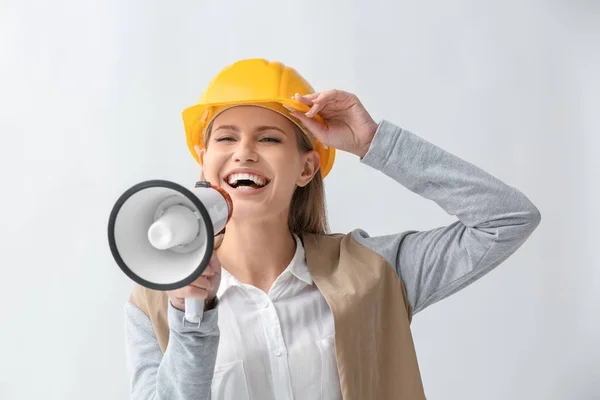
point(295, 312)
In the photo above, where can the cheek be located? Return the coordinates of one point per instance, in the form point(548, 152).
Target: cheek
point(211, 166)
point(289, 168)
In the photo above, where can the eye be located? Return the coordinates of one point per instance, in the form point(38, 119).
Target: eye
point(270, 140)
point(224, 139)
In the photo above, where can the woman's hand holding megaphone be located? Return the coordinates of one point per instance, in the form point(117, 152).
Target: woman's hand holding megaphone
point(205, 287)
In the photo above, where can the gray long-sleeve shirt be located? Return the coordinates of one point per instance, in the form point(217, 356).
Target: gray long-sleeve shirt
point(494, 220)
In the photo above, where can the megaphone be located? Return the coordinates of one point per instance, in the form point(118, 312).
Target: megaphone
point(161, 234)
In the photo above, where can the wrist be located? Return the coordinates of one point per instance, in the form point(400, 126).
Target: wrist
point(369, 134)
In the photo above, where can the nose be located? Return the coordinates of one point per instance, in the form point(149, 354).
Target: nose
point(245, 152)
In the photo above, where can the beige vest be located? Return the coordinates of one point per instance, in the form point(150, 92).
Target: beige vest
point(374, 348)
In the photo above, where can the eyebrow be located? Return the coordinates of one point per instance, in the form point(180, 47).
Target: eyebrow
point(259, 129)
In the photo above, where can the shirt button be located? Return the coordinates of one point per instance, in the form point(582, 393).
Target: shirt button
point(266, 304)
point(278, 353)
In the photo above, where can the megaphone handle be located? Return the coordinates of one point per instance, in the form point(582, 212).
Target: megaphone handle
point(194, 309)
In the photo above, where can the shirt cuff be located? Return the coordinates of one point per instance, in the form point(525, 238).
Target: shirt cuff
point(208, 324)
point(382, 144)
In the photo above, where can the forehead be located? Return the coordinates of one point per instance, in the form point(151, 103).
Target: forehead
point(249, 116)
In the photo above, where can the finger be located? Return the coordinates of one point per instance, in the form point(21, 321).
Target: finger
point(310, 113)
point(315, 109)
point(193, 292)
point(315, 127)
point(327, 96)
point(312, 96)
point(321, 100)
point(215, 265)
point(305, 99)
point(218, 240)
point(176, 301)
point(202, 283)
point(213, 268)
point(209, 272)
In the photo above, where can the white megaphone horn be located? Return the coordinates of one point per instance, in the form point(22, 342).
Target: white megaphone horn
point(162, 235)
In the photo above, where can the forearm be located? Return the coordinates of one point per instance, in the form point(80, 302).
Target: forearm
point(185, 370)
point(462, 189)
point(494, 218)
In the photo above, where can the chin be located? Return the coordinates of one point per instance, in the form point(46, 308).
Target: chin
point(247, 213)
point(245, 210)
point(256, 203)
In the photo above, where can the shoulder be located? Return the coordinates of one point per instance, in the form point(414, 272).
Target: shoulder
point(360, 241)
point(355, 240)
point(356, 235)
point(146, 299)
point(324, 241)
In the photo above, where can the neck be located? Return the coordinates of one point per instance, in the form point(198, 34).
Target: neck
point(257, 252)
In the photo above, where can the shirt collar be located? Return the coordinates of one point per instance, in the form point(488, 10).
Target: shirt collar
point(297, 267)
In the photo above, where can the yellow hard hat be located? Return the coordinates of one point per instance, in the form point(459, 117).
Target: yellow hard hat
point(253, 82)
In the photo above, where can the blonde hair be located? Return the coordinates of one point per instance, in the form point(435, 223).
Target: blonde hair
point(308, 212)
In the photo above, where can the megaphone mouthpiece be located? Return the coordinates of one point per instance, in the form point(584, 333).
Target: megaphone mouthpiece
point(177, 226)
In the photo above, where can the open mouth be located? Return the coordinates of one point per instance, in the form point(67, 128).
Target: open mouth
point(243, 181)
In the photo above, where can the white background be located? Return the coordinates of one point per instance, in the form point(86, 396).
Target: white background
point(90, 99)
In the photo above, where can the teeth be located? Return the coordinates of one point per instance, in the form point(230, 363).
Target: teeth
point(234, 178)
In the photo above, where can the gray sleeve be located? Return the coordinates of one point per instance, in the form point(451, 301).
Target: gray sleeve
point(186, 369)
point(494, 219)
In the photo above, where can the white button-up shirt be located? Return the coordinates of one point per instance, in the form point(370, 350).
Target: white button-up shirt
point(278, 345)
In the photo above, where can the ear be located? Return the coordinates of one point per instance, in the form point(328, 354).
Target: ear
point(200, 152)
point(312, 162)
